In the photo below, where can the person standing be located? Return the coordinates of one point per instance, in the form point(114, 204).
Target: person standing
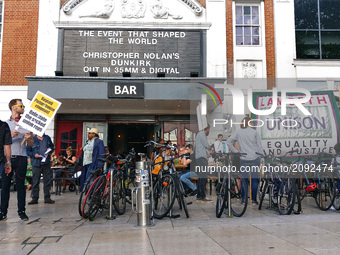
point(249, 142)
point(218, 145)
point(93, 150)
point(5, 168)
point(202, 151)
point(18, 161)
point(40, 154)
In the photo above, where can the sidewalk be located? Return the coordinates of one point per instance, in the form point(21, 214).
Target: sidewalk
point(58, 229)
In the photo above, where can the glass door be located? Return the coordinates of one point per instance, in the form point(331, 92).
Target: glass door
point(102, 128)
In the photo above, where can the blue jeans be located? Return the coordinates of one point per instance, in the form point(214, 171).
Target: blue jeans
point(19, 167)
point(254, 178)
point(185, 178)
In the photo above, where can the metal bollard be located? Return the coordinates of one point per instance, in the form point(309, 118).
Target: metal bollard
point(141, 195)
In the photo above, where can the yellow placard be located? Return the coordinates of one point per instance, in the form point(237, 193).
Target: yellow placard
point(44, 105)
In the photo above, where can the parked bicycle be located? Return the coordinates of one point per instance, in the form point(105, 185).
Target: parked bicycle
point(278, 184)
point(334, 167)
point(237, 183)
point(167, 185)
point(97, 196)
point(314, 178)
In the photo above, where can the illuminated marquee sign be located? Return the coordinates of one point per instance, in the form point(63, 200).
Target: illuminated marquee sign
point(142, 53)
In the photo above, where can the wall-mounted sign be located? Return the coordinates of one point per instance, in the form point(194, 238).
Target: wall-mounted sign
point(125, 90)
point(142, 53)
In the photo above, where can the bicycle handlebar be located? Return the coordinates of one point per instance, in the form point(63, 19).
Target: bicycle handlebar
point(153, 143)
point(222, 154)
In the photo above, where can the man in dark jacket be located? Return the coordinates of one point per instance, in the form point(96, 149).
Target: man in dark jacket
point(5, 160)
point(41, 164)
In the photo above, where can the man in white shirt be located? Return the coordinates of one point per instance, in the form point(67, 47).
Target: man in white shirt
point(218, 144)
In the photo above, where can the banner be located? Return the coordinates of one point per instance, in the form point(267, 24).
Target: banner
point(310, 134)
point(39, 114)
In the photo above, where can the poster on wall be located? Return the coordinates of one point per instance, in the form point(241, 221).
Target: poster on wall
point(308, 134)
point(39, 114)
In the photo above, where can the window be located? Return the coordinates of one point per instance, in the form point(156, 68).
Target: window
point(247, 25)
point(68, 139)
point(317, 29)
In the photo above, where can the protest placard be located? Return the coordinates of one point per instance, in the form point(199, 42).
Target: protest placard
point(309, 134)
point(39, 114)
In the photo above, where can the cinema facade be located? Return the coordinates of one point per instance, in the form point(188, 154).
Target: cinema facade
point(127, 68)
point(130, 67)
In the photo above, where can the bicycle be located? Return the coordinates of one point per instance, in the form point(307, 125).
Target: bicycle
point(280, 187)
point(237, 188)
point(335, 167)
point(320, 185)
point(167, 186)
point(97, 197)
point(94, 175)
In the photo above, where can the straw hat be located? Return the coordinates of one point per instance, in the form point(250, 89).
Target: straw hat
point(93, 130)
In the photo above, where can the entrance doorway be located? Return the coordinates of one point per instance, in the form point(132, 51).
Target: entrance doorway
point(123, 137)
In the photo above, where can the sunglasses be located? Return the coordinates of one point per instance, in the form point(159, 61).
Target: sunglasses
point(19, 105)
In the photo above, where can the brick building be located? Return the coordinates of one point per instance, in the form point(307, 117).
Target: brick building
point(222, 41)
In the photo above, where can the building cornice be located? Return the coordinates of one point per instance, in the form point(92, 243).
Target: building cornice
point(132, 25)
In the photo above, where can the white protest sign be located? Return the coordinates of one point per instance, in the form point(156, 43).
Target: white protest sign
point(310, 134)
point(39, 114)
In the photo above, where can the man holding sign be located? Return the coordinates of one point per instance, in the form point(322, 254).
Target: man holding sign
point(20, 139)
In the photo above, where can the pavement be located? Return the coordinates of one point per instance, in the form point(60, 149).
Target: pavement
point(58, 229)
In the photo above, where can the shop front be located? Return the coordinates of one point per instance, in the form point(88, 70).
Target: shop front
point(160, 112)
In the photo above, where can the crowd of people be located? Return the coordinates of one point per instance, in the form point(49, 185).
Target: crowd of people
point(17, 148)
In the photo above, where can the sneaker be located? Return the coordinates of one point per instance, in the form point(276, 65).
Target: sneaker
point(193, 193)
point(23, 216)
point(255, 203)
point(33, 202)
point(49, 201)
point(206, 200)
point(198, 198)
point(3, 216)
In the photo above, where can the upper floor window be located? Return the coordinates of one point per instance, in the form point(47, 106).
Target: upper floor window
point(247, 25)
point(317, 29)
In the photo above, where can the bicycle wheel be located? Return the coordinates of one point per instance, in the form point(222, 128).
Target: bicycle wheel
point(184, 204)
point(286, 196)
point(263, 192)
point(336, 202)
point(88, 198)
point(297, 209)
point(221, 199)
point(238, 207)
point(119, 196)
point(164, 194)
point(130, 185)
point(301, 185)
point(325, 193)
point(96, 198)
point(83, 193)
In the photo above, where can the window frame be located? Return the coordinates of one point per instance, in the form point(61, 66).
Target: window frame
point(319, 31)
point(244, 25)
